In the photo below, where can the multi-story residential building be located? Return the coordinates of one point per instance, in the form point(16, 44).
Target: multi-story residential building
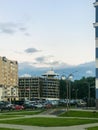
point(46, 87)
point(30, 87)
point(50, 88)
point(96, 38)
point(8, 79)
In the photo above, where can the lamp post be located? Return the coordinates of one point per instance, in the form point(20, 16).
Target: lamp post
point(88, 84)
point(68, 94)
point(90, 94)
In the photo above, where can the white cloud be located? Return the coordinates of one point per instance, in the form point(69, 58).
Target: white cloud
point(25, 75)
point(12, 28)
point(89, 73)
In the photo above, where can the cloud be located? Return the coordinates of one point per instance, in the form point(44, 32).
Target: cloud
point(8, 28)
point(89, 72)
point(27, 34)
point(41, 59)
point(31, 50)
point(11, 28)
point(44, 59)
point(23, 29)
point(48, 61)
point(30, 69)
point(25, 75)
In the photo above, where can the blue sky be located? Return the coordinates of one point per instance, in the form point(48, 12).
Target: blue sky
point(46, 33)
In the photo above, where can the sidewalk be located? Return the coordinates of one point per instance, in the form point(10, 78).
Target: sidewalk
point(22, 127)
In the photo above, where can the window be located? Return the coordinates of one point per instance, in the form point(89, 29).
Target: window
point(96, 52)
point(96, 72)
point(96, 13)
point(96, 32)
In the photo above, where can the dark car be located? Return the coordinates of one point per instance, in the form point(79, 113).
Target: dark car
point(28, 106)
point(1, 106)
point(6, 106)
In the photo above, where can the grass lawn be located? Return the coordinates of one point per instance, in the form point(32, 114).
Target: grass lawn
point(92, 128)
point(89, 114)
point(8, 129)
point(48, 122)
point(8, 116)
point(23, 112)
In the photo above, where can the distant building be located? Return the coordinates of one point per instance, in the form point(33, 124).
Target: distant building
point(96, 38)
point(30, 87)
point(8, 79)
point(46, 87)
point(50, 88)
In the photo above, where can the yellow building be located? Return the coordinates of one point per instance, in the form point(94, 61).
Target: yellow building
point(8, 79)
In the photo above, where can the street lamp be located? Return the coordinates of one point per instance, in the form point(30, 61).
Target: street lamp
point(88, 84)
point(89, 93)
point(68, 96)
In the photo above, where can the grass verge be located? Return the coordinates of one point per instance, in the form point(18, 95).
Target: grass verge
point(9, 129)
point(23, 113)
point(49, 122)
point(9, 116)
point(89, 114)
point(92, 128)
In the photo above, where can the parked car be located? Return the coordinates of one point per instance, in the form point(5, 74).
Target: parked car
point(47, 105)
point(62, 102)
point(6, 106)
point(18, 107)
point(81, 103)
point(39, 106)
point(29, 106)
point(10, 106)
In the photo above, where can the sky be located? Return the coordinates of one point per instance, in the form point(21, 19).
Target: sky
point(46, 33)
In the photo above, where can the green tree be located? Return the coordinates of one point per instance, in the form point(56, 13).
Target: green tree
point(80, 89)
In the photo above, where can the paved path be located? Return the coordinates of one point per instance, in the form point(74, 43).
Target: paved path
point(22, 127)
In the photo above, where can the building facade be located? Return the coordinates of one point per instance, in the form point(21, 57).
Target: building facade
point(96, 39)
point(50, 88)
point(8, 79)
point(30, 87)
point(45, 87)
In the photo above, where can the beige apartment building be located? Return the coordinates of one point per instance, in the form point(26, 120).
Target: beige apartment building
point(8, 79)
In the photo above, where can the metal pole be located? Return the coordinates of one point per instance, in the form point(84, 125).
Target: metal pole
point(69, 91)
point(88, 94)
point(68, 88)
point(67, 95)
